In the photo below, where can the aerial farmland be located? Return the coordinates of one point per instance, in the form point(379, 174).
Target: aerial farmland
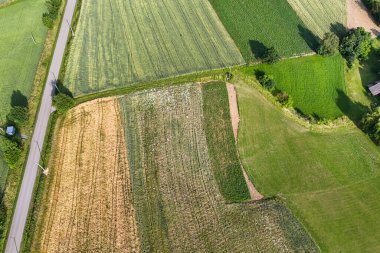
point(190, 126)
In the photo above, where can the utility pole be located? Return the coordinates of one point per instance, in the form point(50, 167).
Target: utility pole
point(71, 28)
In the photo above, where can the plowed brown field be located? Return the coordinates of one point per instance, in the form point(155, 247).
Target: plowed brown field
point(89, 201)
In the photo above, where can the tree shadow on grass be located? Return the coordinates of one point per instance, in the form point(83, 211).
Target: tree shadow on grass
point(311, 40)
point(258, 49)
point(338, 29)
point(353, 110)
point(63, 89)
point(18, 99)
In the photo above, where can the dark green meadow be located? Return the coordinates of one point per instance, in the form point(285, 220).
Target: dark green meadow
point(256, 25)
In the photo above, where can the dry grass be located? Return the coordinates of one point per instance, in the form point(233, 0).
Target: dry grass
point(89, 200)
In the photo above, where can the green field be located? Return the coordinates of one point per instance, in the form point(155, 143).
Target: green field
point(19, 55)
point(329, 178)
point(257, 24)
point(121, 43)
point(316, 83)
point(322, 16)
point(175, 189)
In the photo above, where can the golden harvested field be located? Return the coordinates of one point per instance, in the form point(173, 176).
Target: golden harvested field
point(88, 206)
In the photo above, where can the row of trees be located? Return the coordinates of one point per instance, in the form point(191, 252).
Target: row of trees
point(51, 15)
point(356, 45)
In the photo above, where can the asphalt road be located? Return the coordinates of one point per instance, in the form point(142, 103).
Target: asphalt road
point(26, 190)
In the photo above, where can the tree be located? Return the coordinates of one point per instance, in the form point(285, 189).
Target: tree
point(18, 115)
point(271, 56)
point(11, 150)
point(371, 125)
point(356, 45)
point(265, 80)
point(63, 102)
point(329, 44)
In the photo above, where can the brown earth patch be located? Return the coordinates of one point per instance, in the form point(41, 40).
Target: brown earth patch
point(89, 205)
point(358, 16)
point(235, 119)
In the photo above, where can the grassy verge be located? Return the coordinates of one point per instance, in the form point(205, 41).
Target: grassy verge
point(221, 143)
point(195, 77)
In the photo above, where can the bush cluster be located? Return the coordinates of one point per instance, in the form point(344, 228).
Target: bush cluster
point(268, 83)
point(52, 12)
point(356, 45)
point(371, 125)
point(63, 102)
point(11, 148)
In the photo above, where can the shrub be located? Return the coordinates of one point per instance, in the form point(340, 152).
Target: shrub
point(329, 44)
point(283, 98)
point(63, 102)
point(52, 14)
point(11, 150)
point(18, 115)
point(47, 21)
point(356, 45)
point(371, 125)
point(265, 80)
point(271, 56)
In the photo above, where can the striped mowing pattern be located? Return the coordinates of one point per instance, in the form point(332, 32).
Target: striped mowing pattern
point(319, 15)
point(124, 42)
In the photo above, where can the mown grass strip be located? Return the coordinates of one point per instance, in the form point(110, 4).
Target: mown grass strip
point(221, 143)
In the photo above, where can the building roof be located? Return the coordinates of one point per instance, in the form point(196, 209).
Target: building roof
point(11, 130)
point(375, 89)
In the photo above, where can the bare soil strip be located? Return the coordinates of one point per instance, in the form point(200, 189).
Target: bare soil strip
point(358, 15)
point(89, 204)
point(234, 111)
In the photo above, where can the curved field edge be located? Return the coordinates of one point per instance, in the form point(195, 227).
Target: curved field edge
point(328, 178)
point(88, 199)
point(159, 48)
point(176, 193)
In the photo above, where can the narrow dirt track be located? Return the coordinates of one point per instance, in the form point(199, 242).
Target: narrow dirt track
point(89, 205)
point(234, 111)
point(357, 15)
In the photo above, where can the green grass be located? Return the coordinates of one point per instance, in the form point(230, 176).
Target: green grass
point(19, 55)
point(221, 143)
point(257, 24)
point(316, 84)
point(123, 43)
point(176, 196)
point(329, 178)
point(3, 173)
point(322, 16)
